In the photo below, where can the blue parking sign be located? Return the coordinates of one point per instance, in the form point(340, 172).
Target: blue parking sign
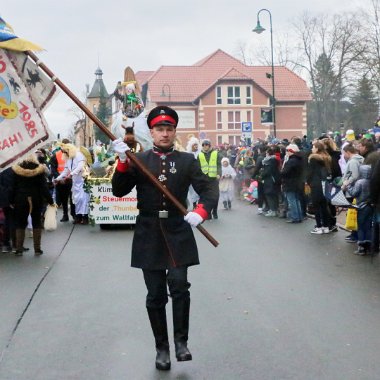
point(246, 126)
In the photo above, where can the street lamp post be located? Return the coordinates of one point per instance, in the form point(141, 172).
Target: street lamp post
point(163, 93)
point(259, 29)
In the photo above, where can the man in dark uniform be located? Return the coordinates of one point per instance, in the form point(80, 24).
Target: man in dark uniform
point(163, 243)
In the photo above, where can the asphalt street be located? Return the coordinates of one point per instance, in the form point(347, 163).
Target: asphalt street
point(271, 302)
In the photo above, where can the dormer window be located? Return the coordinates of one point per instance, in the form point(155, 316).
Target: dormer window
point(233, 95)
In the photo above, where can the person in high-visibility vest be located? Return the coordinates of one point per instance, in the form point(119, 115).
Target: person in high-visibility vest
point(210, 162)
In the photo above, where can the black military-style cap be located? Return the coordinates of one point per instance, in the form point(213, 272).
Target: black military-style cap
point(162, 115)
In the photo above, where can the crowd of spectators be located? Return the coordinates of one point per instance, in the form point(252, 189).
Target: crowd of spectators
point(284, 178)
point(287, 179)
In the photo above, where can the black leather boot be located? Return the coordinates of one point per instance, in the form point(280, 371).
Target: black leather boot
point(229, 205)
point(37, 232)
point(225, 205)
point(20, 237)
point(157, 318)
point(65, 218)
point(181, 310)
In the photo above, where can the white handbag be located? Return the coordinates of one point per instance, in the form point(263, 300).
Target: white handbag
point(50, 223)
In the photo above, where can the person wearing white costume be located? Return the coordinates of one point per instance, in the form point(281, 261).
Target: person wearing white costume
point(74, 168)
point(226, 183)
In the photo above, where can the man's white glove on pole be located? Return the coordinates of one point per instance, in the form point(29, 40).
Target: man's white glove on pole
point(193, 218)
point(120, 147)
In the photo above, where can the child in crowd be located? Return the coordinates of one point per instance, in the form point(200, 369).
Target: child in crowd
point(226, 183)
point(360, 190)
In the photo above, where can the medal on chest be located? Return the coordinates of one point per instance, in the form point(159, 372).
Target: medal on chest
point(172, 169)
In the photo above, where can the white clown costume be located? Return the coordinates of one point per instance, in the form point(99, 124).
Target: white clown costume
point(75, 167)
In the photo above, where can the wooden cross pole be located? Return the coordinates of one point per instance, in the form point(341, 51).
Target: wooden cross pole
point(107, 132)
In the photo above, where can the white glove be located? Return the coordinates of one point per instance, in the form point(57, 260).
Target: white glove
point(193, 218)
point(120, 147)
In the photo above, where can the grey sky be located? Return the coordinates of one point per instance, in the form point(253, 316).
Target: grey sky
point(142, 34)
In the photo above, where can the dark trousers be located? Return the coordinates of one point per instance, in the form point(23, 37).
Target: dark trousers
point(260, 194)
point(157, 298)
point(322, 215)
point(332, 213)
point(63, 194)
point(157, 282)
point(272, 201)
point(215, 188)
point(21, 213)
point(9, 227)
point(365, 215)
point(375, 235)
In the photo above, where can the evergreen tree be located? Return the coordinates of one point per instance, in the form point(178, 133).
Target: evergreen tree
point(325, 93)
point(364, 106)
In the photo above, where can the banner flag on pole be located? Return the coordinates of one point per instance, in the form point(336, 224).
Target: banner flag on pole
point(24, 92)
point(8, 39)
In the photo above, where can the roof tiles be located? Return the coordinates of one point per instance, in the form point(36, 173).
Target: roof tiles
point(188, 83)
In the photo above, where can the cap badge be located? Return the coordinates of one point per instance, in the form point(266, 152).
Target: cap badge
point(162, 112)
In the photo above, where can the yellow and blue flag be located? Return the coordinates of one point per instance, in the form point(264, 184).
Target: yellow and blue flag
point(8, 39)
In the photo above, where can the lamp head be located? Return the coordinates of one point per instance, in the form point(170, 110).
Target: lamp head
point(259, 29)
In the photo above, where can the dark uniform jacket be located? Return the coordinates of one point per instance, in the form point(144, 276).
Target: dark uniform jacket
point(160, 243)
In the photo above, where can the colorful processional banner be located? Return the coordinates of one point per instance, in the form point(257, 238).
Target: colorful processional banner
point(24, 92)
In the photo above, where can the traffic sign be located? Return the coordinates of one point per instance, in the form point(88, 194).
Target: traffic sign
point(246, 126)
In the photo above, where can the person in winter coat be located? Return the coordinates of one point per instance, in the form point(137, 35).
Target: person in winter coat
point(319, 169)
point(163, 243)
point(9, 233)
point(261, 150)
point(354, 160)
point(367, 150)
point(360, 190)
point(336, 176)
point(226, 183)
point(350, 176)
point(271, 181)
point(292, 183)
point(29, 190)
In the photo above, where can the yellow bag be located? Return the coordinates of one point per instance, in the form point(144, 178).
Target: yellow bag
point(352, 219)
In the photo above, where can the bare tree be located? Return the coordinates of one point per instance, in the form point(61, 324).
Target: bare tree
point(371, 26)
point(339, 38)
point(241, 52)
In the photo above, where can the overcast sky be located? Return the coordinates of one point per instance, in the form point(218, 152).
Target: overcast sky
point(80, 34)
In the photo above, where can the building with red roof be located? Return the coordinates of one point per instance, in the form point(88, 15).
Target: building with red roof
point(214, 96)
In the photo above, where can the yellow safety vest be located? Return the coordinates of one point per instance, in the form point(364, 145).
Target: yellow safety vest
point(210, 168)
